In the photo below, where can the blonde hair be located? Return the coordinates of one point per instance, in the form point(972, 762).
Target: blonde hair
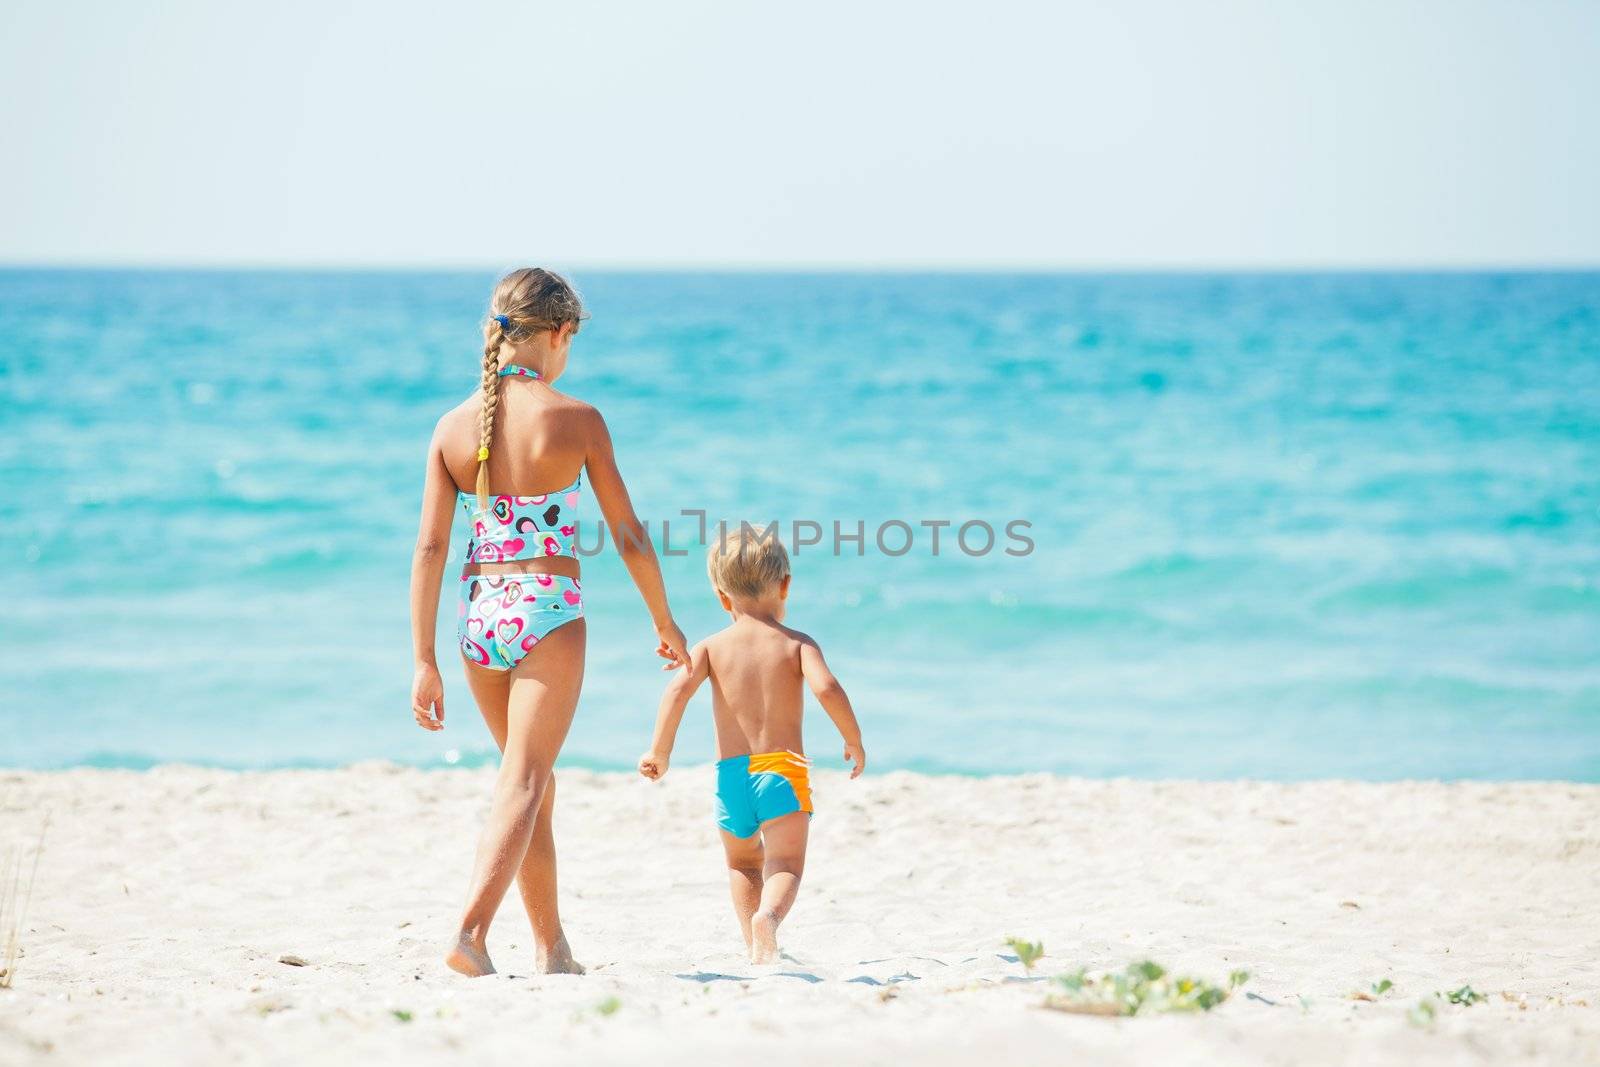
point(526, 301)
point(747, 561)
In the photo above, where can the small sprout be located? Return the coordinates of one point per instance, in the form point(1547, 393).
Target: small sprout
point(1378, 989)
point(1466, 996)
point(608, 1006)
point(1148, 970)
point(401, 1014)
point(1237, 978)
point(1028, 952)
point(1424, 1012)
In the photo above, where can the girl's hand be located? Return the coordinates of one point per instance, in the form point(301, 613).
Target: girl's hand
point(653, 765)
point(427, 697)
point(857, 755)
point(673, 647)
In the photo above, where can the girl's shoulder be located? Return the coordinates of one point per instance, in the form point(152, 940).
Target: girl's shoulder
point(571, 416)
point(572, 405)
point(583, 418)
point(462, 414)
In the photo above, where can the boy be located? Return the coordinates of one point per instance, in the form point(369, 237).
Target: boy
point(756, 666)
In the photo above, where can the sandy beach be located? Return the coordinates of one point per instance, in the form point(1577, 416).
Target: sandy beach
point(167, 899)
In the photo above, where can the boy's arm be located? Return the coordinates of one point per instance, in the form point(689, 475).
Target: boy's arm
point(831, 695)
point(653, 764)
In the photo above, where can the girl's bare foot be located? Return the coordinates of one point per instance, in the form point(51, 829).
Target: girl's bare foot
point(557, 959)
point(469, 959)
point(763, 937)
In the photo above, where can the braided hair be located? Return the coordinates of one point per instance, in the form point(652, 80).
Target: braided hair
point(526, 301)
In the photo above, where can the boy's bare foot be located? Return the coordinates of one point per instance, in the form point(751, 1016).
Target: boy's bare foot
point(469, 959)
point(557, 959)
point(763, 937)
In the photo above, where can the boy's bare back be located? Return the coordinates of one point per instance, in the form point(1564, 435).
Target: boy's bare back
point(757, 697)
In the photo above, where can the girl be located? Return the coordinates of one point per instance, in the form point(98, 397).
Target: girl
point(520, 610)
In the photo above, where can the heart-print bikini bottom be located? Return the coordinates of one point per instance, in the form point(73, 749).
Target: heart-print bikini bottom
point(502, 616)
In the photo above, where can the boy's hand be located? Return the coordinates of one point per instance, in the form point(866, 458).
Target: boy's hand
point(653, 765)
point(857, 755)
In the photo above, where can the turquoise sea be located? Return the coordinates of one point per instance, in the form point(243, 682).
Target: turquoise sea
point(1283, 526)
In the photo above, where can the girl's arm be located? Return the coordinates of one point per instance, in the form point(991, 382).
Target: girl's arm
point(427, 570)
point(633, 542)
point(831, 695)
point(653, 764)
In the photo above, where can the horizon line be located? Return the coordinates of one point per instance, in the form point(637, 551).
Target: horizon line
point(816, 267)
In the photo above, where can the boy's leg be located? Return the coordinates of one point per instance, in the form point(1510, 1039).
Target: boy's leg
point(785, 841)
point(744, 877)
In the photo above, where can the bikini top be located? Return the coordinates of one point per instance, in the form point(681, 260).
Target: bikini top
point(523, 527)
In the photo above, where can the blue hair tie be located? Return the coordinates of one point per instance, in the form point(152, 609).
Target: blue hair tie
point(504, 321)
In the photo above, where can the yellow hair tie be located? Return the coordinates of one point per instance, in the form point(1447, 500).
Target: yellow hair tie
point(483, 454)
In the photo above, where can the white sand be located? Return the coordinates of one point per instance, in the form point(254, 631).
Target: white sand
point(165, 900)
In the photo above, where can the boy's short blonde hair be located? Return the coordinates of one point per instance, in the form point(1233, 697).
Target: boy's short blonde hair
point(747, 561)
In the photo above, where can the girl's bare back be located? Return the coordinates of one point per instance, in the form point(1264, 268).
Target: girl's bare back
point(541, 439)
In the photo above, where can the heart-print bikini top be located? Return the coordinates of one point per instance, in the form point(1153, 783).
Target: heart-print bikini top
point(523, 527)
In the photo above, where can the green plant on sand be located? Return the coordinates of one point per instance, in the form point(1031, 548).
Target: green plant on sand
point(1144, 988)
point(1028, 952)
point(15, 895)
point(1426, 1010)
point(1378, 989)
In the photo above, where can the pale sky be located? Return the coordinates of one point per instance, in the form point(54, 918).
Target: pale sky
point(1128, 133)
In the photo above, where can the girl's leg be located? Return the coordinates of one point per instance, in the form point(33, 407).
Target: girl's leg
point(744, 877)
point(536, 878)
point(541, 695)
point(490, 690)
point(785, 843)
